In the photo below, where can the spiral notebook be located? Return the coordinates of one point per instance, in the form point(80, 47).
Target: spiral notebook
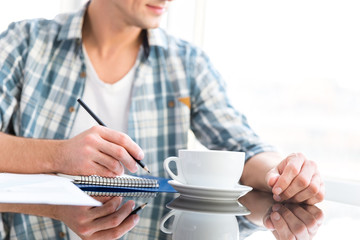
point(126, 185)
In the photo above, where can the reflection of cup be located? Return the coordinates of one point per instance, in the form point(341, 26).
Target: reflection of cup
point(194, 225)
point(229, 207)
point(207, 168)
point(203, 219)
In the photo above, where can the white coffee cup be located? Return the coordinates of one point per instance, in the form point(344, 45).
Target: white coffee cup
point(193, 225)
point(207, 168)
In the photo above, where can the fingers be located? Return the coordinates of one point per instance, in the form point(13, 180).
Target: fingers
point(109, 206)
point(85, 222)
point(267, 221)
point(318, 197)
point(104, 199)
point(110, 164)
point(289, 169)
point(116, 233)
point(99, 169)
point(117, 224)
point(114, 219)
point(316, 212)
point(302, 221)
point(307, 192)
point(110, 149)
point(281, 229)
point(122, 148)
point(115, 155)
point(272, 176)
point(98, 151)
point(291, 225)
point(301, 181)
point(105, 217)
point(123, 140)
point(307, 217)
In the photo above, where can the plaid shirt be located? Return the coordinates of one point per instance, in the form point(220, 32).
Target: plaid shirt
point(42, 74)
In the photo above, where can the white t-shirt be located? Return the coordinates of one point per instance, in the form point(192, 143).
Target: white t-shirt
point(110, 102)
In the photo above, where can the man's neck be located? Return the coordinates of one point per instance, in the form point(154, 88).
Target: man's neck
point(107, 35)
point(111, 44)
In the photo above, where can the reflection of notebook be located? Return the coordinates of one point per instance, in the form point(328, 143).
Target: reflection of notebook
point(125, 184)
point(121, 194)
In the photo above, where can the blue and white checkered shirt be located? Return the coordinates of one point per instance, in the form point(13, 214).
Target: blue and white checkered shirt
point(176, 88)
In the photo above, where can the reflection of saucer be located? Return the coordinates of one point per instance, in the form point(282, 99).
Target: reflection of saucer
point(210, 193)
point(232, 207)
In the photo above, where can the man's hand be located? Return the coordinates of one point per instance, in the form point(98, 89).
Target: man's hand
point(293, 221)
point(105, 222)
point(98, 151)
point(296, 179)
point(109, 221)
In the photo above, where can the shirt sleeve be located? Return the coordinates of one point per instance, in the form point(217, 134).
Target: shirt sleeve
point(214, 121)
point(13, 51)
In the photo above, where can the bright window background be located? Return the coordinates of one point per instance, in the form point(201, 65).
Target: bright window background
point(15, 10)
point(293, 67)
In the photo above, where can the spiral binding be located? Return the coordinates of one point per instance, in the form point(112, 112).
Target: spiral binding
point(122, 194)
point(119, 181)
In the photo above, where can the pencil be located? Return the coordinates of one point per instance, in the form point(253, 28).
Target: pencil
point(136, 210)
point(103, 124)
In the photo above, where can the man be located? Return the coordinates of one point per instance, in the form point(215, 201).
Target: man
point(149, 88)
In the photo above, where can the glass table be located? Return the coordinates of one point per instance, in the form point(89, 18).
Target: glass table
point(251, 217)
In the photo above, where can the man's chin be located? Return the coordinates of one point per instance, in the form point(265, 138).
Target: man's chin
point(152, 25)
point(151, 22)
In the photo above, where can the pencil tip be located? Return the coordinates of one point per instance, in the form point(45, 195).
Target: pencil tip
point(146, 169)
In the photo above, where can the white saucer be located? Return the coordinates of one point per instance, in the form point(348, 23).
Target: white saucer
point(231, 207)
point(209, 192)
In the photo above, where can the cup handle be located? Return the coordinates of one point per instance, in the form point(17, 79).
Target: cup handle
point(164, 220)
point(178, 177)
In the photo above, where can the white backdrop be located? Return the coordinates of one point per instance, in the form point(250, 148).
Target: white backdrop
point(291, 66)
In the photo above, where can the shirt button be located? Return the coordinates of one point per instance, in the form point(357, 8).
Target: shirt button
point(171, 104)
point(62, 234)
point(83, 74)
point(71, 109)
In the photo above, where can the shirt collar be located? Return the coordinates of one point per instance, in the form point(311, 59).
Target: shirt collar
point(72, 24)
point(156, 37)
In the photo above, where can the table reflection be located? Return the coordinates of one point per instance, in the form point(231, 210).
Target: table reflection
point(171, 216)
point(293, 221)
point(192, 218)
point(203, 219)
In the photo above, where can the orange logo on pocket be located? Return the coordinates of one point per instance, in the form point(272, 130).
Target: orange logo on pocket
point(186, 101)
